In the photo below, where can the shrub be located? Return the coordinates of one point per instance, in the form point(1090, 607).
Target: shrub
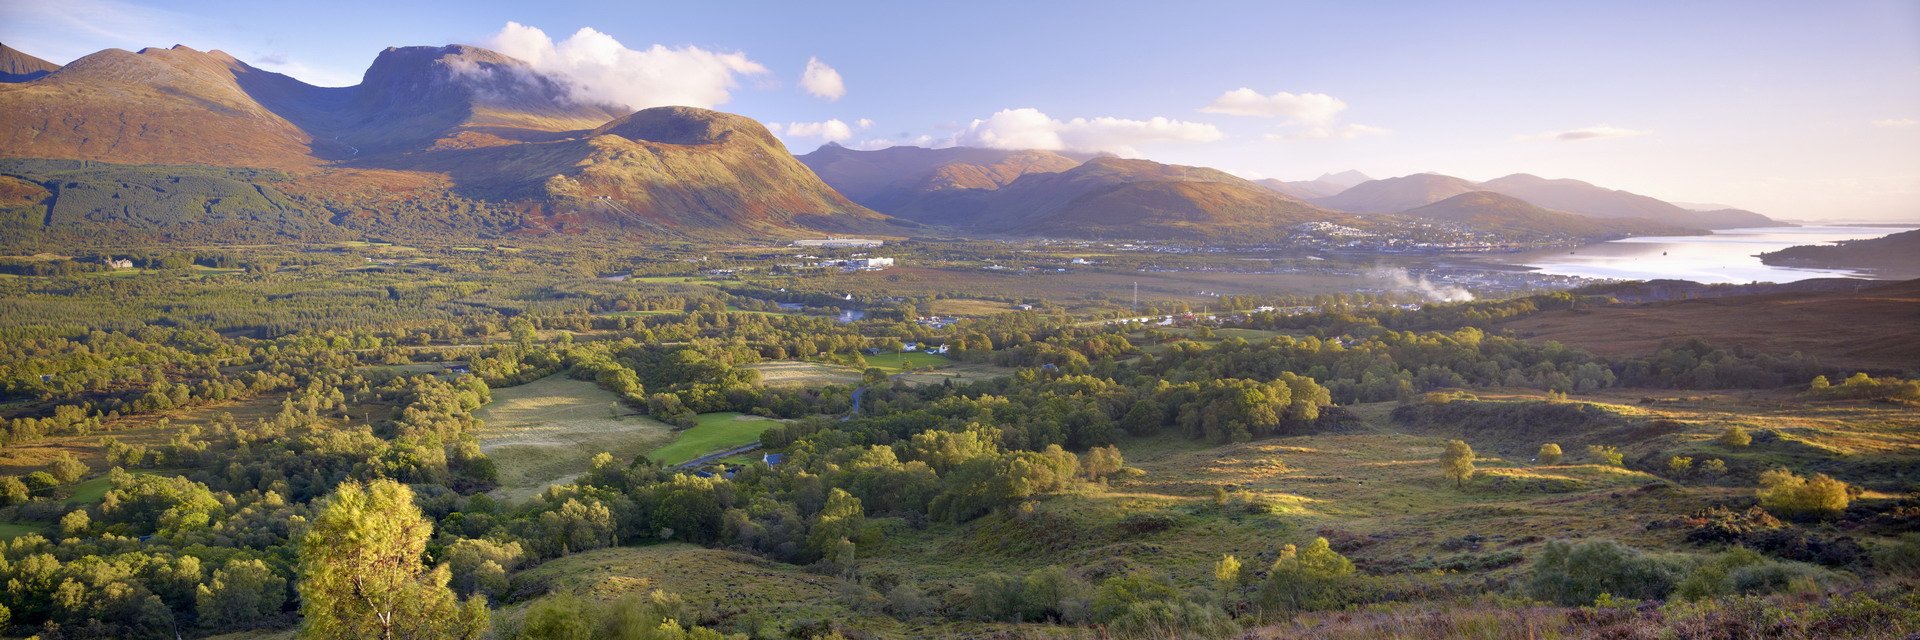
point(1574, 574)
point(1734, 436)
point(1680, 466)
point(1310, 579)
point(1606, 455)
point(1549, 453)
point(1789, 495)
point(67, 469)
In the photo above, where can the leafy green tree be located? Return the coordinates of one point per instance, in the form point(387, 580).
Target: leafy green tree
point(67, 469)
point(242, 594)
point(1549, 454)
point(1680, 466)
point(362, 573)
point(13, 491)
point(1457, 461)
point(1788, 495)
point(1736, 437)
point(1309, 579)
point(1100, 462)
point(1606, 455)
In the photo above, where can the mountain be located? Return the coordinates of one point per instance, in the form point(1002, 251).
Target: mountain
point(1574, 196)
point(1493, 212)
point(434, 140)
point(177, 106)
point(1896, 255)
point(1393, 195)
point(677, 169)
point(16, 66)
point(1110, 197)
point(1326, 185)
point(895, 178)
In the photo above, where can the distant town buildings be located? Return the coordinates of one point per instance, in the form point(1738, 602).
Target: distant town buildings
point(840, 243)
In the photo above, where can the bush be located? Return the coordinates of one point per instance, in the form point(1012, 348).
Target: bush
point(1734, 436)
point(1549, 454)
point(1310, 579)
point(1575, 574)
point(1606, 455)
point(1792, 496)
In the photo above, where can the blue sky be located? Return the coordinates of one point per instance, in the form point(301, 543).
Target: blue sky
point(1805, 110)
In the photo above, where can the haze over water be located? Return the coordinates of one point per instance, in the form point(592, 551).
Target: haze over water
point(1727, 256)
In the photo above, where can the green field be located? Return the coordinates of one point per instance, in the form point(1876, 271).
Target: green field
point(90, 491)
point(11, 530)
point(893, 363)
point(547, 431)
point(716, 432)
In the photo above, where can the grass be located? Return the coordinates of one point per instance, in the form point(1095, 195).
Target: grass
point(11, 530)
point(893, 363)
point(716, 432)
point(548, 431)
point(90, 491)
point(799, 373)
point(969, 307)
point(959, 373)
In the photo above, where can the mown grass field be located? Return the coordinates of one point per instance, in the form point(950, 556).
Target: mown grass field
point(958, 372)
point(716, 432)
point(969, 307)
point(893, 363)
point(549, 430)
point(799, 373)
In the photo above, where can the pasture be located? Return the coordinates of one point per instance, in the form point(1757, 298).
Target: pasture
point(800, 373)
point(547, 431)
point(716, 432)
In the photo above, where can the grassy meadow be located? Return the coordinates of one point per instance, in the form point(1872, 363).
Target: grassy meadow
point(716, 432)
point(547, 431)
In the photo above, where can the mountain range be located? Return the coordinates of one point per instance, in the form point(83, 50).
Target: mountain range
point(184, 144)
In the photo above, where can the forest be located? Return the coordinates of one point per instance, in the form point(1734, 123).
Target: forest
point(273, 441)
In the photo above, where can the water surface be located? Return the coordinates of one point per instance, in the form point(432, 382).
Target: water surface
point(1729, 255)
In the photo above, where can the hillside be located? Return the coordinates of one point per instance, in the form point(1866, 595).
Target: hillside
point(1392, 195)
point(434, 141)
point(1326, 185)
point(17, 66)
point(177, 106)
point(896, 177)
point(1869, 328)
point(1574, 196)
point(1494, 212)
point(674, 169)
point(1895, 255)
point(1118, 198)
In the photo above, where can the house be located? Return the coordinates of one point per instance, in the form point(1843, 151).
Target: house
point(117, 263)
point(773, 459)
point(870, 264)
point(458, 368)
point(1023, 307)
point(938, 349)
point(909, 346)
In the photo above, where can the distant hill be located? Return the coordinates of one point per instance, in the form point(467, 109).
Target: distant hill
point(1321, 187)
point(1118, 198)
point(895, 178)
point(1574, 196)
point(1896, 255)
point(1494, 212)
point(1393, 195)
point(16, 66)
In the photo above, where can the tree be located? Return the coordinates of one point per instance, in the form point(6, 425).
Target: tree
point(1458, 462)
point(1309, 579)
point(243, 594)
point(362, 574)
point(1680, 465)
point(67, 469)
point(1788, 495)
point(1101, 462)
point(13, 491)
point(1606, 455)
point(1736, 437)
point(1550, 454)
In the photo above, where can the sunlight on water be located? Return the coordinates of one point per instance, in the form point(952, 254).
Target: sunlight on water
point(1729, 255)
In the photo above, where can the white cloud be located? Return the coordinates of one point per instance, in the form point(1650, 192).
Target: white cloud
point(865, 123)
point(830, 131)
point(1030, 129)
point(1323, 132)
point(597, 68)
point(1589, 133)
point(1897, 123)
point(921, 140)
point(1310, 108)
point(822, 81)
